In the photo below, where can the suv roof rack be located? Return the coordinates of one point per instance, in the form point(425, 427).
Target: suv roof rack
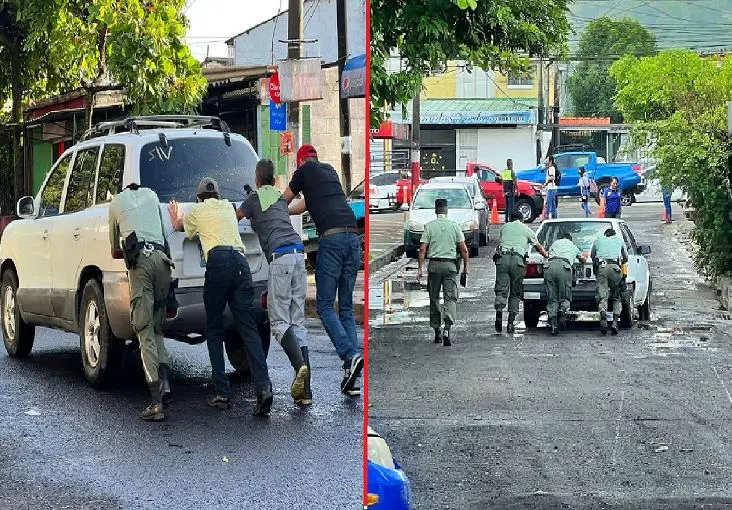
point(134, 124)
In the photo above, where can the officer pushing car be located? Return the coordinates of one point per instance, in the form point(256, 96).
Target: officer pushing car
point(439, 241)
point(134, 216)
point(510, 259)
point(558, 279)
point(608, 254)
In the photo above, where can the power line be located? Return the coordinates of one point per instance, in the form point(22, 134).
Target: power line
point(315, 8)
point(274, 30)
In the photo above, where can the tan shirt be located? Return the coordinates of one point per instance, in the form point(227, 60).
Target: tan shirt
point(442, 237)
point(135, 211)
point(215, 223)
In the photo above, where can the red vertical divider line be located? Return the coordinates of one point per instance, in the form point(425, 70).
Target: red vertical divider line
point(367, 213)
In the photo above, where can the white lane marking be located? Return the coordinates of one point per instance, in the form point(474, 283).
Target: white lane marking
point(617, 425)
point(729, 397)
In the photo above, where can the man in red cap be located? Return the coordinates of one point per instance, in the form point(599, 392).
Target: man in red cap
point(339, 255)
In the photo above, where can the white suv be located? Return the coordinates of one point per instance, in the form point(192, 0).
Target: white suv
point(56, 265)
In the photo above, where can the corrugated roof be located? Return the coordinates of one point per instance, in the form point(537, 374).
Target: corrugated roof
point(433, 107)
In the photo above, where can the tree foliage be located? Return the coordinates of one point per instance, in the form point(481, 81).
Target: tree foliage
point(678, 101)
point(604, 41)
point(427, 34)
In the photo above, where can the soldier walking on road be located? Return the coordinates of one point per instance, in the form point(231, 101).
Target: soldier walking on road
point(439, 242)
point(134, 216)
point(558, 278)
point(288, 284)
point(510, 188)
point(608, 254)
point(228, 280)
point(511, 267)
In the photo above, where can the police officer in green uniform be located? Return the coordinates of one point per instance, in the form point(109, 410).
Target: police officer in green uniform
point(439, 242)
point(134, 216)
point(510, 187)
point(608, 253)
point(558, 279)
point(511, 267)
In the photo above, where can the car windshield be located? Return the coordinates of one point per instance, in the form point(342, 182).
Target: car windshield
point(174, 172)
point(456, 198)
point(583, 233)
point(472, 187)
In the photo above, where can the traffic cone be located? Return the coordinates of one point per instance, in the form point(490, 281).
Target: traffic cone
point(601, 212)
point(543, 212)
point(664, 218)
point(494, 213)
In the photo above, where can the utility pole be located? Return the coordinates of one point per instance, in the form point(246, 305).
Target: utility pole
point(555, 126)
point(541, 115)
point(345, 110)
point(416, 157)
point(294, 52)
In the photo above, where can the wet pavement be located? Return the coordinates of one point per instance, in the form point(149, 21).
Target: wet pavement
point(64, 444)
point(641, 420)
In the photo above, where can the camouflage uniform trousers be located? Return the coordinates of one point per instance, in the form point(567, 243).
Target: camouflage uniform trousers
point(510, 272)
point(609, 286)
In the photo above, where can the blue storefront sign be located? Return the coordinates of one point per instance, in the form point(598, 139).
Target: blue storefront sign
point(480, 118)
point(277, 116)
point(353, 79)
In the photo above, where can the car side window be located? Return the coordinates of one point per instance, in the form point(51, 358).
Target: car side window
point(111, 168)
point(81, 183)
point(51, 195)
point(486, 175)
point(562, 162)
point(630, 240)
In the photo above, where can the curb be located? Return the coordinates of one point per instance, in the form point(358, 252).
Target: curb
point(386, 258)
point(724, 286)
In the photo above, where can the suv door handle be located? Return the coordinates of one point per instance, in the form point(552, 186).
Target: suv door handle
point(77, 233)
point(44, 235)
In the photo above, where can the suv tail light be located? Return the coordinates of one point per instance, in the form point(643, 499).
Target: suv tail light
point(534, 270)
point(264, 300)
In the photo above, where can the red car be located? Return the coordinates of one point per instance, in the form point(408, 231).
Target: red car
point(529, 203)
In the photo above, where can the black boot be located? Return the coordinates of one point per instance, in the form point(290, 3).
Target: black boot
point(499, 321)
point(438, 335)
point(154, 412)
point(264, 403)
point(603, 323)
point(164, 376)
point(553, 327)
point(446, 338)
point(562, 320)
point(294, 354)
point(614, 326)
point(307, 398)
point(510, 328)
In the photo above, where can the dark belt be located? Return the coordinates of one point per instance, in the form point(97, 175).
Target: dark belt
point(225, 249)
point(606, 261)
point(286, 252)
point(157, 246)
point(437, 259)
point(339, 230)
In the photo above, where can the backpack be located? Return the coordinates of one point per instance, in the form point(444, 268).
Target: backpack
point(557, 176)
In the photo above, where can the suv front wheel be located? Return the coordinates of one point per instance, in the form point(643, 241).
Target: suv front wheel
point(102, 354)
point(18, 335)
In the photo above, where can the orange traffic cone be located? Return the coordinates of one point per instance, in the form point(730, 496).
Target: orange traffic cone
point(664, 219)
point(543, 212)
point(601, 212)
point(494, 213)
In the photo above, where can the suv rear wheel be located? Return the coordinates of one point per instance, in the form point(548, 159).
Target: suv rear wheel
point(627, 315)
point(532, 312)
point(102, 354)
point(237, 353)
point(18, 335)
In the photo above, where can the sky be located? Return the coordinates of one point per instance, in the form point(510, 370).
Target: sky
point(212, 22)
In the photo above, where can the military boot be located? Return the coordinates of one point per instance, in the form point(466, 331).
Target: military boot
point(603, 323)
point(154, 412)
point(499, 321)
point(438, 335)
point(614, 326)
point(294, 354)
point(562, 320)
point(307, 398)
point(510, 328)
point(164, 376)
point(553, 326)
point(446, 338)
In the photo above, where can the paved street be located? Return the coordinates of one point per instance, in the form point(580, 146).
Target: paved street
point(64, 444)
point(576, 421)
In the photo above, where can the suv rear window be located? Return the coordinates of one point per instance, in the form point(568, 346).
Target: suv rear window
point(174, 172)
point(583, 233)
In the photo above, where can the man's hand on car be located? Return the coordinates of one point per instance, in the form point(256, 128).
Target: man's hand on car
point(176, 217)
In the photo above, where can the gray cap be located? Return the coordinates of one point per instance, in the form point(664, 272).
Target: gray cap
point(207, 185)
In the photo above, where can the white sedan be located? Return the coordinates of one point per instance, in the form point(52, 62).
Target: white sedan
point(383, 190)
point(584, 231)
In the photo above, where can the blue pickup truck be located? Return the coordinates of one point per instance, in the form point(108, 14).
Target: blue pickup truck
point(630, 175)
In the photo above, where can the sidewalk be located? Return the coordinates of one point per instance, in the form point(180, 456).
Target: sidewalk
point(358, 299)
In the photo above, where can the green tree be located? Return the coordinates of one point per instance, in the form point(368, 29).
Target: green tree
point(427, 34)
point(677, 101)
point(604, 41)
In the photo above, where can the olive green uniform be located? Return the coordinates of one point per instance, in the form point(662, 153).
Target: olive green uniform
point(511, 266)
point(558, 277)
point(139, 211)
point(442, 237)
point(607, 254)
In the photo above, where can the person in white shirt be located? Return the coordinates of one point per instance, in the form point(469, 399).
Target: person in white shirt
point(551, 189)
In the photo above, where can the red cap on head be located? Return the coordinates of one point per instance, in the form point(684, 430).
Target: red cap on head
point(304, 152)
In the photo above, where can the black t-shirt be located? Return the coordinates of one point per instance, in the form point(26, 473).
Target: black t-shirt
point(324, 196)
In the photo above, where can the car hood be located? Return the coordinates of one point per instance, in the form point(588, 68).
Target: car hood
point(426, 215)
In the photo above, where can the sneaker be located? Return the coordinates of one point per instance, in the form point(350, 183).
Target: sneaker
point(220, 402)
point(264, 404)
point(153, 412)
point(297, 390)
point(351, 373)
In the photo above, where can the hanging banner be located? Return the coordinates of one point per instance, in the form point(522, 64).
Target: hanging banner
point(277, 116)
point(353, 79)
point(287, 143)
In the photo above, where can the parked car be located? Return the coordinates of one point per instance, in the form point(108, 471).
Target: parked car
point(653, 192)
point(630, 175)
point(56, 265)
point(383, 191)
point(461, 210)
point(481, 206)
point(584, 232)
point(388, 486)
point(530, 201)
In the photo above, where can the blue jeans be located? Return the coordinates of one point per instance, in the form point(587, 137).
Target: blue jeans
point(551, 204)
point(586, 206)
point(229, 281)
point(667, 205)
point(336, 270)
point(510, 200)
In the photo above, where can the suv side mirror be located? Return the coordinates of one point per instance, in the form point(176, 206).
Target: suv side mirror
point(644, 249)
point(26, 207)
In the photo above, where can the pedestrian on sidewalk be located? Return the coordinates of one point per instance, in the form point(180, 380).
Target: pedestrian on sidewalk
point(510, 187)
point(608, 255)
point(558, 279)
point(440, 242)
point(612, 200)
point(288, 284)
point(584, 185)
point(339, 255)
point(135, 217)
point(510, 260)
point(666, 192)
point(228, 280)
point(551, 188)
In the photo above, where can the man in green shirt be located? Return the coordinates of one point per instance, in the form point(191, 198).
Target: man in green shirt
point(440, 240)
point(558, 279)
point(511, 268)
point(608, 253)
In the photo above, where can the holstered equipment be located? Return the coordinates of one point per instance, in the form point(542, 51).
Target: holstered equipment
point(131, 249)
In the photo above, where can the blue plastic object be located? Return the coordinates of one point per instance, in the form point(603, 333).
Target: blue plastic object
point(391, 485)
